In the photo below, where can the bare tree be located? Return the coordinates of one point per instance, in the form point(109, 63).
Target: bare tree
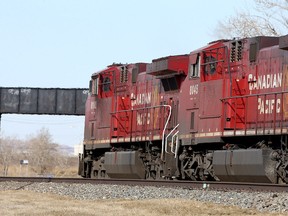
point(44, 156)
point(268, 17)
point(42, 152)
point(8, 153)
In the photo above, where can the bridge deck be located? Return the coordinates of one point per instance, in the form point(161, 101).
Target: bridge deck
point(51, 101)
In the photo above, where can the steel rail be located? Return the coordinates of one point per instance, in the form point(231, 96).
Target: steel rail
point(191, 185)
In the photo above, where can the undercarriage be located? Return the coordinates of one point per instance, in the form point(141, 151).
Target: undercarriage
point(262, 162)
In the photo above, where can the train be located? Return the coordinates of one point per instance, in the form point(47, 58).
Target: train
point(219, 113)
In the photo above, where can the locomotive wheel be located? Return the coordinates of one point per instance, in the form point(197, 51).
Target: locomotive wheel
point(201, 174)
point(154, 174)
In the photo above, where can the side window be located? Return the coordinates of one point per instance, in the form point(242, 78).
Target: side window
point(90, 86)
point(195, 66)
point(93, 86)
point(214, 59)
point(96, 82)
point(106, 84)
point(210, 65)
point(170, 84)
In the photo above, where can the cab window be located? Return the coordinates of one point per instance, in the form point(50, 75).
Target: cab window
point(106, 84)
point(195, 66)
point(93, 86)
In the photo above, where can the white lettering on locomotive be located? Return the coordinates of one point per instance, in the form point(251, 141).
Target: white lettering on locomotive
point(265, 81)
point(268, 106)
point(140, 99)
point(143, 118)
point(193, 89)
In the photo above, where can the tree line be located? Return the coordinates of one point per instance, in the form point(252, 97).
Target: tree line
point(258, 18)
point(44, 157)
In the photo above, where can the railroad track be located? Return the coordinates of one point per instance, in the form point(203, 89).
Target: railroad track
point(222, 186)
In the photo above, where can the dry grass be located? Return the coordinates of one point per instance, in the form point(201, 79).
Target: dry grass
point(67, 171)
point(26, 203)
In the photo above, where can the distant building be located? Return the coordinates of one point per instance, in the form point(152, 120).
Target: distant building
point(78, 149)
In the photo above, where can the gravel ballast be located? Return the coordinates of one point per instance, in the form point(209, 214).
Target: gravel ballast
point(262, 201)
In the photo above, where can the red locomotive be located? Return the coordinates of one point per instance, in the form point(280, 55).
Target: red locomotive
point(218, 113)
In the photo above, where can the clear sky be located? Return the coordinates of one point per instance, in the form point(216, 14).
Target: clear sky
point(60, 43)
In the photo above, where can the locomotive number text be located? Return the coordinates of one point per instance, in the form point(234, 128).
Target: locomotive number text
point(193, 89)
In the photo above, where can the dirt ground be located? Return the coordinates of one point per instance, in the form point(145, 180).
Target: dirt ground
point(30, 203)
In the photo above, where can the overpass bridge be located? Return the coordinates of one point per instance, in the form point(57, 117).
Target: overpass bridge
point(40, 101)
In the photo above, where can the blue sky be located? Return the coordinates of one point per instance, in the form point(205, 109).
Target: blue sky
point(60, 43)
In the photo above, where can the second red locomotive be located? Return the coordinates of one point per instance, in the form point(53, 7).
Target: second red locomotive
point(218, 113)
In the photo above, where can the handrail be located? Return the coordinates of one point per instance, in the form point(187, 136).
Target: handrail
point(253, 95)
point(142, 108)
point(163, 133)
point(176, 134)
point(266, 122)
point(177, 147)
point(166, 139)
point(165, 127)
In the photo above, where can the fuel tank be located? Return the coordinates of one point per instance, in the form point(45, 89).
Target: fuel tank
point(245, 165)
point(124, 164)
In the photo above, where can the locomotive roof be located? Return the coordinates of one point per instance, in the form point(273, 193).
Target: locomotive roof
point(209, 45)
point(170, 56)
point(115, 65)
